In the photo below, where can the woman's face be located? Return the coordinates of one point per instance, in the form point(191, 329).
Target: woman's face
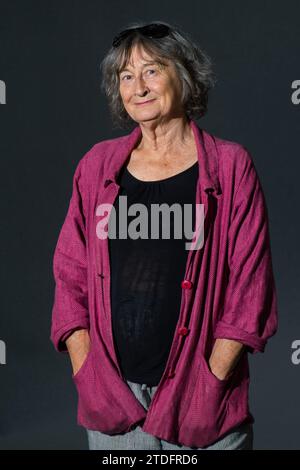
point(144, 80)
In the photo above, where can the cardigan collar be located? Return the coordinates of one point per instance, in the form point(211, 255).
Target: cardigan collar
point(207, 157)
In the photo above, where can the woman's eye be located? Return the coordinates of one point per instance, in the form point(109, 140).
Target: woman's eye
point(124, 77)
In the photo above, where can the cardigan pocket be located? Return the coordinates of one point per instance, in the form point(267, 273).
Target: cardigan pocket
point(93, 405)
point(207, 412)
point(83, 366)
point(211, 377)
point(100, 407)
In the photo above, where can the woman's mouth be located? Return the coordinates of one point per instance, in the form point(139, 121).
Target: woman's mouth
point(145, 102)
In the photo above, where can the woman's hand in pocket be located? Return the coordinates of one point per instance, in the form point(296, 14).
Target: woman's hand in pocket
point(78, 344)
point(224, 357)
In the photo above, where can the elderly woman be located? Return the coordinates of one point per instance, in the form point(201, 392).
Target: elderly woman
point(158, 334)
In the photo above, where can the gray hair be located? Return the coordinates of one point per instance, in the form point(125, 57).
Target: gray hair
point(193, 65)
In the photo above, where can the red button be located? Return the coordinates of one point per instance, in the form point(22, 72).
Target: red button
point(186, 284)
point(183, 331)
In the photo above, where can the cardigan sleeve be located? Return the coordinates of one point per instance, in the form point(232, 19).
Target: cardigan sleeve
point(249, 313)
point(70, 307)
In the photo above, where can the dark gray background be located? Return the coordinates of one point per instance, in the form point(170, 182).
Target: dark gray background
point(49, 58)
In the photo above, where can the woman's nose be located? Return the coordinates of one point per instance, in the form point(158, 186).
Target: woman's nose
point(141, 87)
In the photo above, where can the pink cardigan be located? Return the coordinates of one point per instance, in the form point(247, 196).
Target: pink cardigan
point(229, 293)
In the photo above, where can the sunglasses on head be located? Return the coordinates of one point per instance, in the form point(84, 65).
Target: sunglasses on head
point(153, 30)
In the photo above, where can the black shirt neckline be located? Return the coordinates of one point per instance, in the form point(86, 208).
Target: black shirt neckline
point(161, 180)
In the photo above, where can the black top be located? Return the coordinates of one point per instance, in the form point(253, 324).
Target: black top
point(146, 277)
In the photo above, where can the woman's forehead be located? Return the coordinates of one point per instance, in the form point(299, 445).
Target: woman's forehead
point(139, 55)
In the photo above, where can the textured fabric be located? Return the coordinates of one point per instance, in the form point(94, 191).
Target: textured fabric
point(145, 276)
point(240, 438)
point(231, 295)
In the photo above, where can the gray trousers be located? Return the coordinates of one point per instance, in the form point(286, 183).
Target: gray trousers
point(240, 438)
